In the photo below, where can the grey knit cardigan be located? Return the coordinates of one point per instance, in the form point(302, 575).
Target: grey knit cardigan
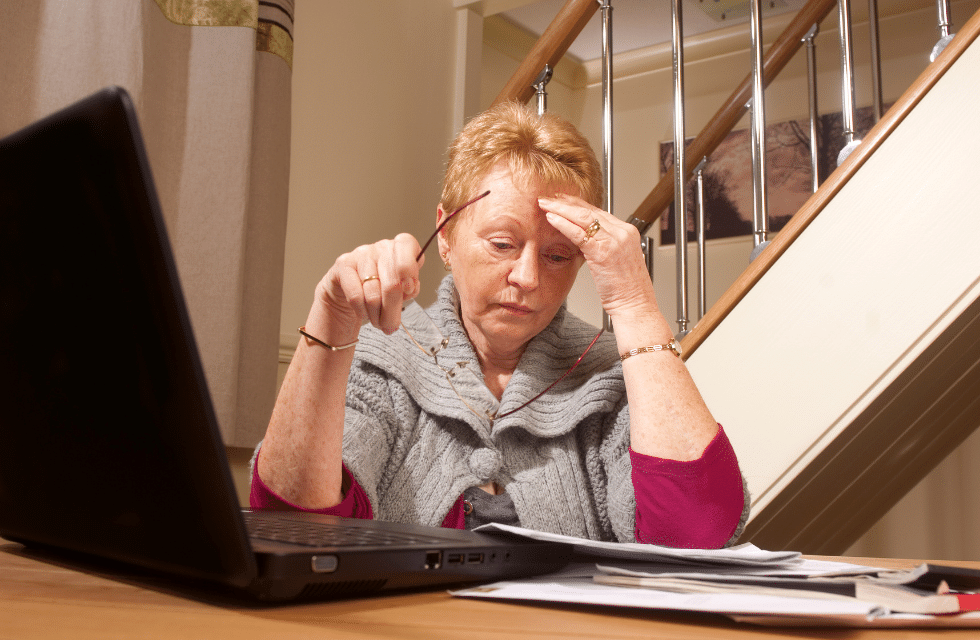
point(414, 446)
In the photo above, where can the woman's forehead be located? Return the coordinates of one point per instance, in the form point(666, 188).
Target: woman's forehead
point(520, 215)
point(512, 202)
point(507, 184)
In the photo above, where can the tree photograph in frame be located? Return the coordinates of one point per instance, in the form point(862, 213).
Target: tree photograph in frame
point(728, 176)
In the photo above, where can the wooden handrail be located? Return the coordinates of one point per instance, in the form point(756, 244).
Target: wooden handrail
point(549, 48)
point(831, 186)
point(778, 55)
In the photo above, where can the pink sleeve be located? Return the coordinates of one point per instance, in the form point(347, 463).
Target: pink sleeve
point(456, 518)
point(354, 505)
point(689, 505)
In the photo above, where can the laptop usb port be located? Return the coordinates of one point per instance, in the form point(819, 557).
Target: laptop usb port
point(454, 558)
point(433, 559)
point(474, 558)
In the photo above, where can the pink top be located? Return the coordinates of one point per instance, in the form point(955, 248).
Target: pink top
point(690, 505)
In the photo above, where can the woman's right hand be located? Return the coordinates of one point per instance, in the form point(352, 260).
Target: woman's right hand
point(370, 284)
point(301, 455)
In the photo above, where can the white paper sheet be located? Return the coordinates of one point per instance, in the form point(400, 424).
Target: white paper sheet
point(585, 591)
point(743, 555)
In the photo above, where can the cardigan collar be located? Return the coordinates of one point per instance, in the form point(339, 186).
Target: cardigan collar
point(547, 356)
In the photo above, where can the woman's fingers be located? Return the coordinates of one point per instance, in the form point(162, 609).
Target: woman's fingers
point(597, 234)
point(574, 211)
point(611, 248)
point(375, 280)
point(398, 280)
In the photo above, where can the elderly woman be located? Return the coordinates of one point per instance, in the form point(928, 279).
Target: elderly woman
point(497, 405)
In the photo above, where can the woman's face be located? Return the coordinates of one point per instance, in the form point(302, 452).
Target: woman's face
point(512, 269)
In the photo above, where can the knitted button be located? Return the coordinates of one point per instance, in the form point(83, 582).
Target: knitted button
point(485, 463)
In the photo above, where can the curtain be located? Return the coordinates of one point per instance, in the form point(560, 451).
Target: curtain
point(211, 83)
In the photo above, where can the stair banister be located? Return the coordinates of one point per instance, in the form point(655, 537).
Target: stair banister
point(549, 48)
point(875, 59)
point(811, 74)
point(760, 199)
point(942, 7)
point(540, 84)
point(777, 56)
point(847, 81)
point(680, 178)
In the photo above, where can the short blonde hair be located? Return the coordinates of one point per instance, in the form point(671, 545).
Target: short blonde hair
point(537, 148)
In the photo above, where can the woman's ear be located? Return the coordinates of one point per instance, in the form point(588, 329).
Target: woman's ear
point(442, 237)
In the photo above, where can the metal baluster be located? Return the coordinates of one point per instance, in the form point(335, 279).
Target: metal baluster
point(760, 206)
point(944, 25)
point(607, 91)
point(680, 204)
point(847, 81)
point(875, 58)
point(646, 245)
point(539, 85)
point(811, 68)
point(605, 8)
point(702, 275)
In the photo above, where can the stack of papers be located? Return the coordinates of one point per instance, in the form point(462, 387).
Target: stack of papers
point(748, 584)
point(741, 555)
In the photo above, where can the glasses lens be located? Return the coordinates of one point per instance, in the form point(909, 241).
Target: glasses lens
point(420, 328)
point(472, 390)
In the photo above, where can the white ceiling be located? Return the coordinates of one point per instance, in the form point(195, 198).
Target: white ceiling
point(641, 23)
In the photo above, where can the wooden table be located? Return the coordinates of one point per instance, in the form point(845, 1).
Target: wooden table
point(44, 596)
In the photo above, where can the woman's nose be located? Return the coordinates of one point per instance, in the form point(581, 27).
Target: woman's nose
point(524, 273)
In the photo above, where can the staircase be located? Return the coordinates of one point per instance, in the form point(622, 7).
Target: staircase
point(845, 361)
point(851, 365)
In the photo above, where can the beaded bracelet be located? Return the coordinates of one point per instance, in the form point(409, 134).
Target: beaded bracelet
point(672, 347)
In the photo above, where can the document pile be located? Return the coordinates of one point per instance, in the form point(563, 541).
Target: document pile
point(748, 584)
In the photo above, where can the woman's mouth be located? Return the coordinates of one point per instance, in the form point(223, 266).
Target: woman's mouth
point(516, 309)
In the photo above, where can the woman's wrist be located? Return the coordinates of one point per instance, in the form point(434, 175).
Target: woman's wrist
point(640, 328)
point(326, 327)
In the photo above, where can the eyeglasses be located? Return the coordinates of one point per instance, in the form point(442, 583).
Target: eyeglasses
point(466, 383)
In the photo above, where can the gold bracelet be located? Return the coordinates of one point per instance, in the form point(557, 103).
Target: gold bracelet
point(320, 342)
point(673, 346)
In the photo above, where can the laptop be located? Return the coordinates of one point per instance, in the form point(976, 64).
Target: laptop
point(109, 444)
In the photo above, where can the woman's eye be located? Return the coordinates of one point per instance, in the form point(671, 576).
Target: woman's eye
point(501, 246)
point(558, 258)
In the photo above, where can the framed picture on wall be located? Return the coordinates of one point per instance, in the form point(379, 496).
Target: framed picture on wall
point(728, 175)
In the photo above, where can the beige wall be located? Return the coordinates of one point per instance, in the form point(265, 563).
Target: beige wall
point(372, 116)
point(373, 89)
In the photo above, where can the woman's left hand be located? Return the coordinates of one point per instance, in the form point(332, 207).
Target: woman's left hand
point(668, 417)
point(612, 250)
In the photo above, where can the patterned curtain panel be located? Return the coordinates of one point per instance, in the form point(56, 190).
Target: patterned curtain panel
point(211, 81)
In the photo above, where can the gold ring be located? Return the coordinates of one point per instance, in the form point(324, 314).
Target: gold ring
point(592, 229)
point(368, 279)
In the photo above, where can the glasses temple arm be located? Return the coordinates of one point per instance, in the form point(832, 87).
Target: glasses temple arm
point(444, 221)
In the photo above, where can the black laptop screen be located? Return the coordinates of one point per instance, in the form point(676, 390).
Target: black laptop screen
point(104, 406)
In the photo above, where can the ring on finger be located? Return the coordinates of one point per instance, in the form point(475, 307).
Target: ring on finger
point(368, 279)
point(590, 231)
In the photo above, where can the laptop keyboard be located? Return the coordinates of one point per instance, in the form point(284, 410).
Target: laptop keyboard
point(319, 534)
